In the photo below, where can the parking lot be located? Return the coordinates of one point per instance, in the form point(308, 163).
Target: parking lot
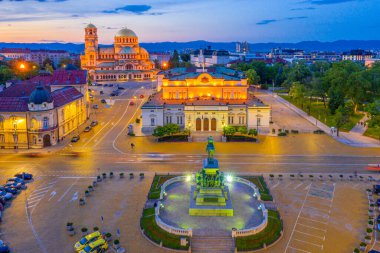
point(321, 216)
point(41, 212)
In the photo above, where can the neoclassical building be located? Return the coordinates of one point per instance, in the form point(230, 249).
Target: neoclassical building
point(204, 100)
point(42, 111)
point(125, 60)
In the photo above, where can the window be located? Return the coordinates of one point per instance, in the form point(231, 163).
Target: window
point(1, 122)
point(46, 122)
point(34, 140)
point(2, 138)
point(152, 121)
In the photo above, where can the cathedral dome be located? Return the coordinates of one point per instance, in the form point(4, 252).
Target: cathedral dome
point(90, 26)
point(40, 95)
point(125, 32)
point(127, 50)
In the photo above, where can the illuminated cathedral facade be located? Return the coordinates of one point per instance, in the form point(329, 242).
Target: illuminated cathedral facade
point(123, 61)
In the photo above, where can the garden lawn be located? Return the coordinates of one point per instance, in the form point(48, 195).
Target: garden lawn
point(321, 113)
point(373, 132)
point(155, 189)
point(263, 189)
point(268, 236)
point(157, 234)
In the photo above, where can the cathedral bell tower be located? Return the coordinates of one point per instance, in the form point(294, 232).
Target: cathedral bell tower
point(91, 47)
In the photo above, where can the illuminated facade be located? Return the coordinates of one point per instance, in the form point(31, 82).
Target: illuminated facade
point(204, 100)
point(125, 60)
point(40, 114)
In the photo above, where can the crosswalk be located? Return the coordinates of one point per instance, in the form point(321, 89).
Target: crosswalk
point(38, 194)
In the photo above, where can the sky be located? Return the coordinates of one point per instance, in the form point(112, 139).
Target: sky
point(254, 21)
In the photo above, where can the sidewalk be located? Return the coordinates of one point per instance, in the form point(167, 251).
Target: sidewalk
point(350, 138)
point(359, 128)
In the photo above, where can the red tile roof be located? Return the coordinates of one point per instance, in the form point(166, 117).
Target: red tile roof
point(65, 95)
point(15, 50)
point(13, 104)
point(61, 77)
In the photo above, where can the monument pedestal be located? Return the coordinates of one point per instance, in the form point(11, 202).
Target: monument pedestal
point(210, 202)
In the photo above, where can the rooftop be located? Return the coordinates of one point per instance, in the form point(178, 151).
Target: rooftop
point(156, 100)
point(60, 77)
point(177, 74)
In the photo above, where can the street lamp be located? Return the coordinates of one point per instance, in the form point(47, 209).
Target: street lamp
point(22, 66)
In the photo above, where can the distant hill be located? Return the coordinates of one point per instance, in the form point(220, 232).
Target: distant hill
point(337, 46)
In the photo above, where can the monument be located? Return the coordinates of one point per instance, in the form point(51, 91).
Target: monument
point(210, 196)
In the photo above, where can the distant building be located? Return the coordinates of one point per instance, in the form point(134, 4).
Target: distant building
point(326, 56)
point(208, 57)
point(358, 55)
point(16, 53)
point(125, 60)
point(242, 47)
point(39, 56)
point(42, 111)
point(369, 62)
point(204, 101)
point(160, 57)
point(2, 57)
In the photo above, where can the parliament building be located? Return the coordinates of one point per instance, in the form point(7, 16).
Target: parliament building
point(123, 61)
point(204, 100)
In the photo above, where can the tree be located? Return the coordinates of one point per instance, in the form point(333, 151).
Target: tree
point(336, 99)
point(252, 131)
point(340, 118)
point(64, 62)
point(48, 61)
point(49, 68)
point(5, 74)
point(185, 57)
point(242, 130)
point(357, 88)
point(157, 64)
point(252, 77)
point(229, 130)
point(174, 60)
point(159, 131)
point(297, 92)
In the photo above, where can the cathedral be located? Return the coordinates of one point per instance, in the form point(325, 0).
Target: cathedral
point(123, 61)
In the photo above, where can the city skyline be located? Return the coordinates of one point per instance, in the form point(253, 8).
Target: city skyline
point(184, 20)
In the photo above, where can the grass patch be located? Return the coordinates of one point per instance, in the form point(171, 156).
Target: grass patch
point(155, 189)
point(157, 234)
point(318, 111)
point(373, 132)
point(263, 188)
point(268, 236)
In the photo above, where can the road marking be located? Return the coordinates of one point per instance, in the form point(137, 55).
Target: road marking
point(295, 188)
point(317, 245)
point(319, 237)
point(67, 191)
point(52, 194)
point(40, 189)
point(299, 249)
point(295, 224)
point(317, 208)
point(96, 134)
point(324, 230)
point(75, 197)
point(325, 223)
point(39, 195)
point(274, 186)
point(307, 187)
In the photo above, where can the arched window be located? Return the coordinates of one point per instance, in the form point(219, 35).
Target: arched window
point(33, 124)
point(46, 122)
point(1, 122)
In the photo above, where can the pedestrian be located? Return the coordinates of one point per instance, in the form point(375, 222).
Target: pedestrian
point(132, 145)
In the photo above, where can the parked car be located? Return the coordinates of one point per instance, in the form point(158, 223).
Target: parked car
point(24, 175)
point(376, 188)
point(16, 179)
point(110, 85)
point(75, 138)
point(105, 85)
point(97, 246)
point(4, 248)
point(141, 96)
point(17, 185)
point(87, 240)
point(94, 123)
point(2, 201)
point(131, 103)
point(6, 195)
point(101, 92)
point(9, 189)
point(121, 88)
point(103, 101)
point(114, 93)
point(87, 129)
point(95, 106)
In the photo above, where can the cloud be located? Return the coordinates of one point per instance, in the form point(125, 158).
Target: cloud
point(136, 9)
point(51, 41)
point(269, 21)
point(303, 9)
point(325, 2)
point(42, 1)
point(266, 21)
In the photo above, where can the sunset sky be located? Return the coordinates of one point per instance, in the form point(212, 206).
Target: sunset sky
point(187, 20)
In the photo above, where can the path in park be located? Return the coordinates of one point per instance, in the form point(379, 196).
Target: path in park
point(358, 128)
point(351, 139)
